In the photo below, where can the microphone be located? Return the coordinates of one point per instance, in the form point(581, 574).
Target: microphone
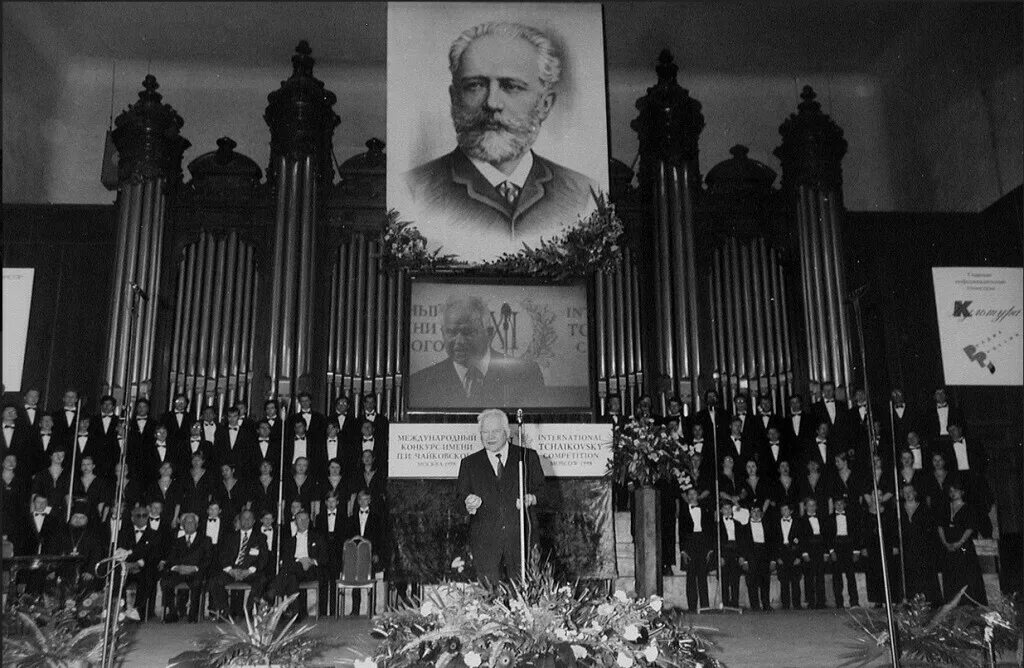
point(519, 416)
point(139, 291)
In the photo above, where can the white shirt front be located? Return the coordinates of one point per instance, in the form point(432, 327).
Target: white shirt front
point(341, 422)
point(302, 545)
point(264, 447)
point(795, 419)
point(698, 446)
point(943, 420)
point(232, 435)
point(696, 514)
point(45, 438)
point(82, 441)
point(900, 410)
point(162, 451)
point(213, 528)
point(736, 443)
point(786, 528)
point(863, 410)
point(39, 518)
point(960, 450)
point(815, 525)
point(106, 419)
point(269, 535)
point(918, 463)
point(730, 528)
point(495, 177)
point(823, 450)
point(299, 450)
point(210, 432)
point(332, 519)
point(308, 417)
point(757, 532)
point(830, 407)
point(493, 457)
point(776, 449)
point(364, 515)
point(765, 419)
point(31, 412)
point(841, 525)
point(482, 366)
point(332, 448)
point(368, 444)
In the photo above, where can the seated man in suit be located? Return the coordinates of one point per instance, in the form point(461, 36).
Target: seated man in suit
point(367, 521)
point(242, 558)
point(188, 561)
point(474, 374)
point(144, 546)
point(489, 484)
point(303, 557)
point(493, 191)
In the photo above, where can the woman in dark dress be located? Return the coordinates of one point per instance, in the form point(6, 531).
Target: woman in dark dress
point(197, 487)
point(787, 488)
point(937, 484)
point(920, 546)
point(231, 493)
point(873, 566)
point(371, 479)
point(168, 490)
point(758, 489)
point(844, 483)
point(815, 486)
point(700, 481)
point(958, 526)
point(908, 475)
point(53, 482)
point(334, 483)
point(14, 500)
point(302, 487)
point(264, 491)
point(730, 487)
point(91, 491)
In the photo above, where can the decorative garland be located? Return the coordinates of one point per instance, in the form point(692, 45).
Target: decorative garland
point(591, 244)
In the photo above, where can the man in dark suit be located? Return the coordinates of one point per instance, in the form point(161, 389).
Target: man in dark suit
point(786, 555)
point(193, 443)
point(822, 449)
point(271, 411)
point(141, 429)
point(348, 432)
point(15, 437)
point(41, 523)
point(798, 428)
point(316, 423)
point(381, 426)
point(767, 417)
point(232, 444)
point(759, 566)
point(188, 562)
point(334, 526)
point(936, 420)
point(827, 409)
point(104, 424)
point(713, 418)
point(264, 448)
point(303, 557)
point(145, 552)
point(734, 540)
point(29, 412)
point(208, 423)
point(488, 483)
point(64, 419)
point(813, 535)
point(90, 444)
point(900, 419)
point(843, 551)
point(749, 431)
point(493, 191)
point(241, 558)
point(696, 543)
point(741, 449)
point(35, 451)
point(157, 452)
point(474, 374)
point(613, 410)
point(178, 420)
point(772, 452)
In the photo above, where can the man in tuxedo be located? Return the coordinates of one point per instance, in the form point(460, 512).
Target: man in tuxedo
point(333, 449)
point(702, 446)
point(104, 424)
point(270, 413)
point(298, 446)
point(30, 413)
point(178, 420)
point(799, 427)
point(232, 444)
point(748, 424)
point(155, 454)
point(843, 552)
point(474, 374)
point(213, 526)
point(15, 437)
point(265, 448)
point(145, 548)
point(714, 419)
point(857, 433)
point(488, 483)
point(154, 513)
point(193, 443)
point(922, 452)
point(247, 422)
point(969, 460)
point(316, 423)
point(936, 420)
point(827, 409)
point(65, 418)
point(900, 419)
point(242, 557)
point(758, 565)
point(381, 426)
point(773, 451)
point(90, 444)
point(35, 456)
point(813, 534)
point(333, 525)
point(370, 441)
point(188, 562)
point(766, 418)
point(208, 422)
point(303, 558)
point(787, 557)
point(742, 449)
point(613, 410)
point(141, 430)
point(367, 521)
point(347, 432)
point(42, 522)
point(696, 543)
point(823, 449)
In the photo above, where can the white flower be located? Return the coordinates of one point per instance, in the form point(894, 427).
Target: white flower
point(631, 632)
point(624, 660)
point(651, 653)
point(428, 609)
point(561, 633)
point(656, 603)
point(364, 663)
point(472, 659)
point(578, 651)
point(621, 596)
point(605, 609)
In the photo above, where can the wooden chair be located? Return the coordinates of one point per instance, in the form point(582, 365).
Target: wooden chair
point(357, 572)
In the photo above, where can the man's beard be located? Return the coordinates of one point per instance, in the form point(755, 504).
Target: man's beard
point(485, 135)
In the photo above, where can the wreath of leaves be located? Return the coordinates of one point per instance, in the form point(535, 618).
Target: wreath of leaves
point(541, 348)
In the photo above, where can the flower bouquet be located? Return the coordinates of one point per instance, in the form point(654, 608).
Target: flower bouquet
point(645, 454)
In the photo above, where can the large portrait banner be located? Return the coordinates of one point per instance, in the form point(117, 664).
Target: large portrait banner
point(496, 121)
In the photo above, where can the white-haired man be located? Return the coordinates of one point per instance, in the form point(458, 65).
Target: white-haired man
point(493, 190)
point(474, 374)
point(489, 485)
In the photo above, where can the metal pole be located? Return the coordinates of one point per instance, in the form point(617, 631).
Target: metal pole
point(899, 516)
point(721, 607)
point(522, 498)
point(282, 414)
point(894, 652)
point(74, 451)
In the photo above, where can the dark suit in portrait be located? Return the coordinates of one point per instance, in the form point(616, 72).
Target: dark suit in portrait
point(508, 382)
point(450, 194)
point(494, 528)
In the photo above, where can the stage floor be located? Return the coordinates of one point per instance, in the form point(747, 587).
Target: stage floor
point(812, 639)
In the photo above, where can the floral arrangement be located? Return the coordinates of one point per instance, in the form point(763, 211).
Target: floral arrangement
point(590, 244)
point(261, 641)
point(58, 630)
point(953, 635)
point(537, 623)
point(645, 453)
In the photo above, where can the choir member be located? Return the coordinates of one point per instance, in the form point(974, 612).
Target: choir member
point(844, 483)
point(730, 486)
point(368, 477)
point(936, 420)
point(813, 536)
point(787, 488)
point(900, 419)
point(922, 454)
point(701, 478)
point(734, 444)
point(232, 444)
point(90, 444)
point(270, 414)
point(298, 446)
point(844, 550)
point(773, 452)
point(65, 418)
point(798, 428)
point(871, 549)
point(178, 420)
point(104, 424)
point(53, 482)
point(208, 423)
point(613, 410)
point(141, 432)
point(266, 448)
point(91, 491)
point(333, 449)
point(857, 438)
point(732, 560)
point(145, 550)
point(347, 431)
point(814, 485)
point(824, 447)
point(787, 557)
point(242, 557)
point(908, 475)
point(367, 521)
point(699, 445)
point(232, 493)
point(265, 490)
point(41, 522)
point(758, 489)
point(302, 487)
point(331, 524)
point(715, 420)
point(268, 531)
point(76, 537)
point(14, 436)
point(315, 422)
point(213, 524)
point(197, 487)
point(758, 567)
point(160, 452)
point(968, 460)
point(920, 547)
point(169, 493)
point(767, 418)
point(14, 502)
point(187, 562)
point(29, 414)
point(37, 456)
point(644, 409)
point(749, 432)
point(827, 409)
point(958, 525)
point(370, 414)
point(134, 490)
point(695, 549)
point(247, 422)
point(303, 558)
point(937, 483)
point(335, 483)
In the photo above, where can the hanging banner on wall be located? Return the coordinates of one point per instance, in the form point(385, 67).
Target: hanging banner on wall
point(496, 121)
point(979, 311)
point(434, 450)
point(17, 295)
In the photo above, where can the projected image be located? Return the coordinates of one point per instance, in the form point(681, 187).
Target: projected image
point(474, 346)
point(496, 121)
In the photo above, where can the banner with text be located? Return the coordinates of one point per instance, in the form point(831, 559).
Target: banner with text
point(980, 325)
point(17, 295)
point(433, 450)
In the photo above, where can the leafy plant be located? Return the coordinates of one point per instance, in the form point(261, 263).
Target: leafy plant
point(262, 640)
point(645, 453)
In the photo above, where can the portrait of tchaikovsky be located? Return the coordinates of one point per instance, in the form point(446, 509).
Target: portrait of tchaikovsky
point(492, 189)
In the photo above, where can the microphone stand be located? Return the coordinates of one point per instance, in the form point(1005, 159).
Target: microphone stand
point(74, 453)
point(523, 513)
point(893, 650)
point(282, 414)
point(898, 487)
point(720, 606)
